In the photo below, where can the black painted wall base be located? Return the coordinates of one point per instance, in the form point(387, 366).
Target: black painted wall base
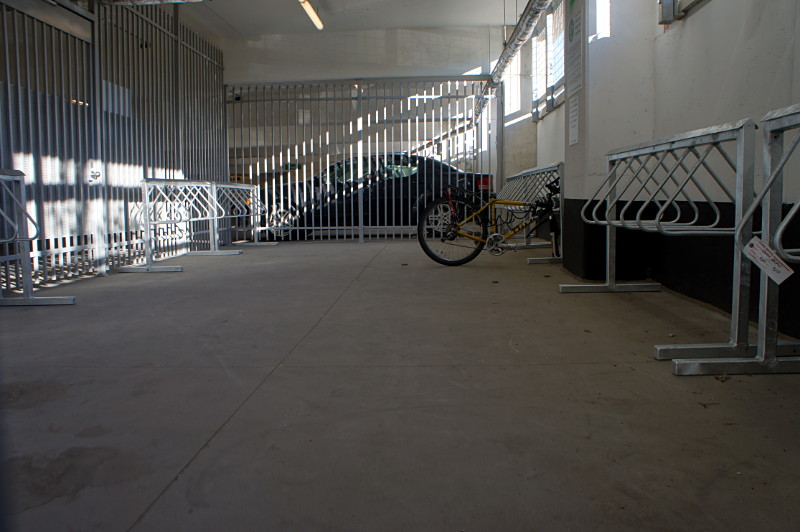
point(700, 267)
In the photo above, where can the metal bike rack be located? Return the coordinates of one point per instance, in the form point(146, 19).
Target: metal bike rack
point(654, 187)
point(168, 201)
point(529, 186)
point(14, 219)
point(768, 355)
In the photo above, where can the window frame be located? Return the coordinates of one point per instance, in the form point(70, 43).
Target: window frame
point(554, 89)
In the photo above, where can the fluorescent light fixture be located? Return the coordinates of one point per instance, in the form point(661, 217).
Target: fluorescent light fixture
point(312, 14)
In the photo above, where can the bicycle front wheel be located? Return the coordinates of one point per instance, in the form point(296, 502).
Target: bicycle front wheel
point(449, 233)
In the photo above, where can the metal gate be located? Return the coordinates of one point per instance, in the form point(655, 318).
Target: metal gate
point(92, 102)
point(358, 158)
point(45, 95)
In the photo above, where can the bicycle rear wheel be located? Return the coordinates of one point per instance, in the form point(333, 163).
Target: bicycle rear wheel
point(443, 228)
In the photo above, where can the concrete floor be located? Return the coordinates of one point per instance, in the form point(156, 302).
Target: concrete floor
point(344, 386)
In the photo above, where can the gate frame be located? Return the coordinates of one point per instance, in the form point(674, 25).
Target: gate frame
point(494, 155)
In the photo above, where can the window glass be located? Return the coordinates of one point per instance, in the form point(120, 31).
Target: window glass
point(555, 44)
point(539, 53)
point(548, 60)
point(347, 171)
point(400, 170)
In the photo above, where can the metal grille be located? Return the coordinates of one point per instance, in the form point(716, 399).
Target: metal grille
point(46, 95)
point(162, 119)
point(360, 158)
point(676, 186)
point(87, 115)
point(530, 186)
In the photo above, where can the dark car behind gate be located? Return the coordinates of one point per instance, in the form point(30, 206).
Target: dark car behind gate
point(362, 195)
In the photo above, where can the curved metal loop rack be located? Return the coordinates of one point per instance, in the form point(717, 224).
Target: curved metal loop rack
point(768, 354)
point(175, 201)
point(673, 186)
point(776, 125)
point(530, 186)
point(678, 186)
point(14, 220)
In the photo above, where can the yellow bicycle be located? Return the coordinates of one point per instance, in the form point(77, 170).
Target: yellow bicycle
point(457, 226)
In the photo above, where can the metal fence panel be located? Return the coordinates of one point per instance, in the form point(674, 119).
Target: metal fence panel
point(356, 158)
point(86, 117)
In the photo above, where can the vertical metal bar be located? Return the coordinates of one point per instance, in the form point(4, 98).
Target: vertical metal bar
point(146, 88)
point(149, 248)
point(359, 182)
point(7, 148)
point(462, 114)
point(500, 125)
point(273, 175)
point(301, 185)
point(177, 92)
point(124, 95)
point(402, 121)
point(190, 116)
point(391, 149)
point(745, 170)
point(24, 244)
point(7, 140)
point(413, 137)
point(31, 148)
point(284, 187)
point(333, 179)
point(325, 159)
point(483, 123)
point(326, 147)
point(611, 231)
point(100, 207)
point(214, 219)
point(38, 148)
point(76, 184)
point(263, 177)
point(771, 213)
point(259, 142)
point(386, 218)
point(235, 92)
point(91, 234)
point(124, 138)
point(159, 56)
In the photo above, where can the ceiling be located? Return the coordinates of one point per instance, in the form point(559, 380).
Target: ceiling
point(246, 19)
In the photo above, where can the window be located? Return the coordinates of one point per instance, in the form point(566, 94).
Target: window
point(395, 171)
point(548, 61)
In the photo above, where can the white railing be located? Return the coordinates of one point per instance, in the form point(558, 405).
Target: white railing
point(172, 202)
point(14, 220)
point(767, 355)
point(530, 186)
point(675, 186)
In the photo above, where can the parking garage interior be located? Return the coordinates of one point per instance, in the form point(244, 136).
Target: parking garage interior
point(216, 313)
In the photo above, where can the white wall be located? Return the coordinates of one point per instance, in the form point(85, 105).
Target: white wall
point(727, 60)
point(519, 145)
point(355, 54)
point(730, 59)
point(550, 137)
point(620, 85)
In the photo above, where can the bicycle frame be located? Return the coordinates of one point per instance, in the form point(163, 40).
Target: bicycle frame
point(491, 206)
